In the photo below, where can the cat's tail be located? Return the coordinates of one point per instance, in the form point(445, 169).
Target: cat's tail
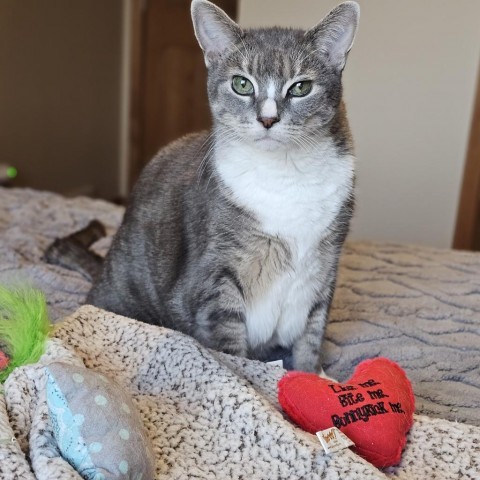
point(73, 252)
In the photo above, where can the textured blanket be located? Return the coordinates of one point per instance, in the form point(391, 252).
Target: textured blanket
point(214, 416)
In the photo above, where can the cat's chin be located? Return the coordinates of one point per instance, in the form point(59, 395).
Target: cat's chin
point(268, 144)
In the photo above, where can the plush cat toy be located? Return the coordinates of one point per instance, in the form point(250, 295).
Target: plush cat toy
point(374, 409)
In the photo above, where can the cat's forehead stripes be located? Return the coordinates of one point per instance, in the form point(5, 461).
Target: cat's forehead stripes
point(269, 64)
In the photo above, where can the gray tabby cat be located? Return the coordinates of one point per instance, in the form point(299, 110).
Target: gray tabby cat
point(233, 237)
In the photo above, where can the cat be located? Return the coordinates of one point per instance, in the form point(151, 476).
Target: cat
point(233, 236)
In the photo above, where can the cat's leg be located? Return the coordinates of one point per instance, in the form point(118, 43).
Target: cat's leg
point(306, 350)
point(220, 315)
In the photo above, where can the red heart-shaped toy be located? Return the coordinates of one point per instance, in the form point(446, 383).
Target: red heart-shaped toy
point(374, 408)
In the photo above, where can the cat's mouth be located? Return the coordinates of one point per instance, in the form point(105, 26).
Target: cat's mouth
point(267, 142)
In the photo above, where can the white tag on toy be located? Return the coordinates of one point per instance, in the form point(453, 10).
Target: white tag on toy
point(332, 440)
point(277, 363)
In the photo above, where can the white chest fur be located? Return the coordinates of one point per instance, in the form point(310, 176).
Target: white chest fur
point(295, 197)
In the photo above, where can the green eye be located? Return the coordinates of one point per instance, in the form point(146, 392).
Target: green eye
point(242, 85)
point(300, 89)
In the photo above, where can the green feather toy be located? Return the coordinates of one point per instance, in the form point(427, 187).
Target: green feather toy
point(24, 327)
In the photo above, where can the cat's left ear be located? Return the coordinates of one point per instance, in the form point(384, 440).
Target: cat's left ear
point(216, 32)
point(334, 35)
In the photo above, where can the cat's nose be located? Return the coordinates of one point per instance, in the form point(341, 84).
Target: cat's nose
point(268, 121)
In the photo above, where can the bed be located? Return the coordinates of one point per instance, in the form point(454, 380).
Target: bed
point(213, 416)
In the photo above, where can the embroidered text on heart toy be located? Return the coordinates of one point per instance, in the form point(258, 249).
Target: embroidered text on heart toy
point(374, 408)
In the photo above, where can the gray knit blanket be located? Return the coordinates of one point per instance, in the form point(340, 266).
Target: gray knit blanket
point(212, 416)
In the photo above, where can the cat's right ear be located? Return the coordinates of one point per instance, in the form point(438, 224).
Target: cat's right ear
point(216, 32)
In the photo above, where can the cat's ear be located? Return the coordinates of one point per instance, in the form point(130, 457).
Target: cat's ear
point(334, 35)
point(215, 31)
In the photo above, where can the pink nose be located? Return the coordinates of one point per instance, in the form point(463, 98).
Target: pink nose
point(268, 121)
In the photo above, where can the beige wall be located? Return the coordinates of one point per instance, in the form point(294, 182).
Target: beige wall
point(59, 92)
point(409, 86)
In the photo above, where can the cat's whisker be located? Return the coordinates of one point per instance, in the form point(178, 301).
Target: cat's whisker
point(308, 144)
point(299, 136)
point(298, 142)
point(222, 133)
point(303, 141)
point(210, 141)
point(204, 164)
point(313, 144)
point(225, 137)
point(228, 135)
